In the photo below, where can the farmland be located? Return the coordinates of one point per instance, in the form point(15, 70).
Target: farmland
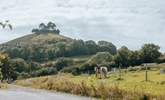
point(132, 84)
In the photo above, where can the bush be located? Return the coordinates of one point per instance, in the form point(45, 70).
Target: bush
point(19, 65)
point(45, 71)
point(23, 75)
point(1, 74)
point(61, 63)
point(87, 68)
point(101, 58)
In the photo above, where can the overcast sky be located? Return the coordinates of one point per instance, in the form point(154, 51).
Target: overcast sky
point(122, 22)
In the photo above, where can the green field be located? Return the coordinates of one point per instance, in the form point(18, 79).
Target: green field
point(132, 84)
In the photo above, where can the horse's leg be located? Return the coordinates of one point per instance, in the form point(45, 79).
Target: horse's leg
point(96, 74)
point(105, 75)
point(101, 75)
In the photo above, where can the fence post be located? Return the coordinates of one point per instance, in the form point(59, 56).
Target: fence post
point(120, 71)
point(146, 73)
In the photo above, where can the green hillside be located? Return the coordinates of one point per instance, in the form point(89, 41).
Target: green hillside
point(38, 39)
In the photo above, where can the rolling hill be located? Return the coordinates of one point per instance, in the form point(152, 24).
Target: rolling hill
point(37, 39)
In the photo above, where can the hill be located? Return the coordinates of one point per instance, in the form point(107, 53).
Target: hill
point(37, 39)
point(46, 46)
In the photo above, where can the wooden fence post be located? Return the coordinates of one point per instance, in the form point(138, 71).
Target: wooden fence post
point(146, 73)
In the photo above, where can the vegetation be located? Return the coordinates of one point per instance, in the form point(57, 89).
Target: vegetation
point(1, 75)
point(7, 70)
point(3, 86)
point(132, 87)
point(49, 28)
point(46, 52)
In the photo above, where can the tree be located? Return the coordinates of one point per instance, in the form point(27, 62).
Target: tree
point(35, 30)
point(101, 58)
point(51, 26)
point(122, 57)
point(6, 69)
point(76, 47)
point(135, 58)
point(42, 26)
point(105, 46)
point(1, 74)
point(60, 49)
point(19, 65)
point(150, 53)
point(91, 47)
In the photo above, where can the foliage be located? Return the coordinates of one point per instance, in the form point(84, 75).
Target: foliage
point(45, 50)
point(150, 53)
point(45, 71)
point(101, 58)
point(61, 63)
point(19, 65)
point(6, 69)
point(105, 46)
point(1, 74)
point(122, 57)
point(49, 28)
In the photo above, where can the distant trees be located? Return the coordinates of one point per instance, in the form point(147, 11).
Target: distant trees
point(57, 49)
point(122, 56)
point(150, 53)
point(105, 46)
point(50, 27)
point(101, 58)
point(91, 46)
point(26, 63)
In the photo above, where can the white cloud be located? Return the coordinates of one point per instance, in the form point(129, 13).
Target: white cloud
point(123, 22)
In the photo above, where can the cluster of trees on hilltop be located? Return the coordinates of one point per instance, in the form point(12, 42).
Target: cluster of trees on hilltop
point(51, 51)
point(50, 27)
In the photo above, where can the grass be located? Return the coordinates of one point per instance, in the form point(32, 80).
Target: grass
point(131, 87)
point(3, 85)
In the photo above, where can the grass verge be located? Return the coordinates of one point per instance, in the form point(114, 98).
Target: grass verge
point(109, 88)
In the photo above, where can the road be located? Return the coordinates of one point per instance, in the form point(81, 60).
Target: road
point(21, 93)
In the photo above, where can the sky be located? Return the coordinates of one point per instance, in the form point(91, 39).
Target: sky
point(122, 22)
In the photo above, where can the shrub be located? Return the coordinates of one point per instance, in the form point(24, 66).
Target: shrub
point(23, 75)
point(45, 71)
point(61, 63)
point(1, 74)
point(101, 58)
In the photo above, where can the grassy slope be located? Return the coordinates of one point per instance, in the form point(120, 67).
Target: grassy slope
point(132, 85)
point(38, 38)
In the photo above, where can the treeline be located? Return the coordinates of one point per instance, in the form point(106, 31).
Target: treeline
point(123, 57)
point(50, 51)
point(149, 53)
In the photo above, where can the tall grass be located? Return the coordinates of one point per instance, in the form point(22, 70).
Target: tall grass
point(3, 85)
point(66, 83)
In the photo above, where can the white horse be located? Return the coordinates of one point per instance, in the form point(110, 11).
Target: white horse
point(101, 71)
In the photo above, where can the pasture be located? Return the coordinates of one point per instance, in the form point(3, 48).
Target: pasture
point(132, 84)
